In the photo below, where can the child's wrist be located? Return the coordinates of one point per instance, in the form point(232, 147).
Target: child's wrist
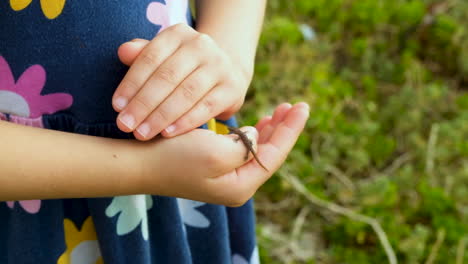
point(129, 155)
point(148, 168)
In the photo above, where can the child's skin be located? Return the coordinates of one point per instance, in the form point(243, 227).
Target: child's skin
point(46, 164)
point(184, 77)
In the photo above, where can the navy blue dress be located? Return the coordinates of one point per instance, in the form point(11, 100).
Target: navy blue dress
point(58, 70)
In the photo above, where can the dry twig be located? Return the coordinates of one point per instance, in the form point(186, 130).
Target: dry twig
point(297, 227)
point(299, 187)
point(269, 206)
point(397, 163)
point(340, 176)
point(431, 148)
point(461, 250)
point(436, 247)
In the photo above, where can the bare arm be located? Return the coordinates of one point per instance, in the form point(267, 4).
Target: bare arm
point(234, 25)
point(45, 164)
point(198, 165)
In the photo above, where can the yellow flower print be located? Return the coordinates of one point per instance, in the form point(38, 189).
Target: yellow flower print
point(82, 246)
point(217, 127)
point(51, 8)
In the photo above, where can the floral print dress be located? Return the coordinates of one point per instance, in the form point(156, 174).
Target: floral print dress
point(58, 70)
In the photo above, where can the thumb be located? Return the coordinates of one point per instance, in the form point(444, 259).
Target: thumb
point(229, 150)
point(128, 51)
point(251, 134)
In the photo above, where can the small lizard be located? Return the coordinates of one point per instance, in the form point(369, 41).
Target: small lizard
point(247, 143)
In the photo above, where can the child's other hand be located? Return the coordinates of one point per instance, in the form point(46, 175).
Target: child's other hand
point(213, 168)
point(177, 82)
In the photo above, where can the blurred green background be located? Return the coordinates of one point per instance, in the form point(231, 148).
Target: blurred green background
point(386, 145)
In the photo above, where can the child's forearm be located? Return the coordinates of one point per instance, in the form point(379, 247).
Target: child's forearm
point(234, 25)
point(45, 164)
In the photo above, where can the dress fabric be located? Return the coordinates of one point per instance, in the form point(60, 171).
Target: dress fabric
point(58, 70)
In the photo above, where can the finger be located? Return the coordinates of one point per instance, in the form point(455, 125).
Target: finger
point(278, 116)
point(248, 139)
point(280, 112)
point(292, 124)
point(222, 153)
point(128, 51)
point(179, 102)
point(262, 123)
point(251, 133)
point(157, 88)
point(153, 55)
point(203, 111)
point(266, 133)
point(240, 149)
point(274, 152)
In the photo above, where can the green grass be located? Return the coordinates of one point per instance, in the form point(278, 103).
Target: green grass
point(388, 133)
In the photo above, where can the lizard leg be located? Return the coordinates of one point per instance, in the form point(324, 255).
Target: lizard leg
point(246, 155)
point(248, 145)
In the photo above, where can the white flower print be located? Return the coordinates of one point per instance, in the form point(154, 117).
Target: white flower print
point(254, 259)
point(132, 211)
point(191, 216)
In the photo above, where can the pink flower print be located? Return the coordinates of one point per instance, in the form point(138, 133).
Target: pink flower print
point(26, 121)
point(166, 15)
point(24, 98)
point(31, 206)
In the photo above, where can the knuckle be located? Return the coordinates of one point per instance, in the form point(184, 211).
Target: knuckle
point(220, 60)
point(193, 119)
point(202, 41)
point(189, 89)
point(229, 77)
point(162, 113)
point(180, 27)
point(209, 104)
point(204, 38)
point(167, 75)
point(149, 58)
point(143, 103)
point(129, 84)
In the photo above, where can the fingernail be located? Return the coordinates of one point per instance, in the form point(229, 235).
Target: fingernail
point(128, 120)
point(305, 105)
point(144, 130)
point(170, 129)
point(121, 102)
point(307, 109)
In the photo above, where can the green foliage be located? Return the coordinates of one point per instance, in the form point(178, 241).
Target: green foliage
point(279, 30)
point(388, 134)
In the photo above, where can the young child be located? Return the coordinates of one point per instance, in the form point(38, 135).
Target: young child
point(59, 70)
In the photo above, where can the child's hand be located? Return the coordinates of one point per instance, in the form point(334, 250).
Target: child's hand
point(176, 82)
point(214, 169)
